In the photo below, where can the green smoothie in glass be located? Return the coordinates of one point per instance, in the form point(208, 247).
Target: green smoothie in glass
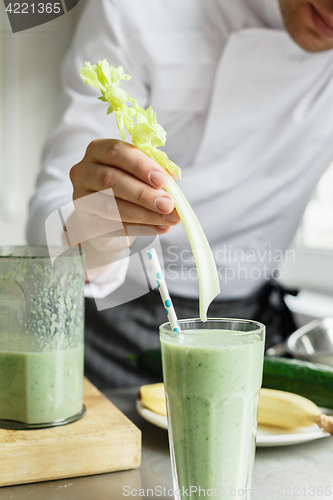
point(212, 375)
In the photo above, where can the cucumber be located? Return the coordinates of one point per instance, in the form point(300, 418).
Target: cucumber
point(151, 361)
point(310, 380)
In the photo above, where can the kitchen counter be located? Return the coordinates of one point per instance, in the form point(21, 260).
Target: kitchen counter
point(300, 471)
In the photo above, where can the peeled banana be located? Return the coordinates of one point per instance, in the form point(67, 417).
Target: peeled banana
point(153, 397)
point(276, 408)
point(288, 411)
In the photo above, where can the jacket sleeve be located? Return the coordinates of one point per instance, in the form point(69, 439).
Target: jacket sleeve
point(101, 33)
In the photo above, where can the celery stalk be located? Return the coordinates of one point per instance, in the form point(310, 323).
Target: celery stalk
point(208, 279)
point(148, 135)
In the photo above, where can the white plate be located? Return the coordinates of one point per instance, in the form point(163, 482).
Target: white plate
point(266, 436)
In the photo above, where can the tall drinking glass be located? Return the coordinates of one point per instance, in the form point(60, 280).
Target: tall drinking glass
point(212, 374)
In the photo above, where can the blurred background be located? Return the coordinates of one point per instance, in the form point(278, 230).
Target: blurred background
point(29, 86)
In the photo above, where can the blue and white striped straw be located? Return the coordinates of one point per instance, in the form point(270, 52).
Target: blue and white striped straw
point(164, 292)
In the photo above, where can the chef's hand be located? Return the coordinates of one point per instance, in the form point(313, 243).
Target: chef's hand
point(118, 195)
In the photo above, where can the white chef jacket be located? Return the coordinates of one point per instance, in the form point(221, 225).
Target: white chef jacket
point(249, 118)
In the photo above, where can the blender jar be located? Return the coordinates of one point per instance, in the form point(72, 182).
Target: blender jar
point(41, 336)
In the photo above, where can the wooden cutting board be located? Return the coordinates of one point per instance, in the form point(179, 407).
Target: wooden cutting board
point(104, 440)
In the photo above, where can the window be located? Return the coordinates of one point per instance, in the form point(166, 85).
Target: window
point(316, 230)
point(312, 269)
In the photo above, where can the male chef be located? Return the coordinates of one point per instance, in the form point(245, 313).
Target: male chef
point(244, 90)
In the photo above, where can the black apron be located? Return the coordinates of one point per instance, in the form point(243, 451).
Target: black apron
point(112, 335)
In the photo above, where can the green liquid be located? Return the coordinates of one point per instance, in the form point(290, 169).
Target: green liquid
point(212, 387)
point(41, 387)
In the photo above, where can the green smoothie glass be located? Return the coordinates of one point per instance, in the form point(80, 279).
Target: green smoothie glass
point(41, 336)
point(212, 374)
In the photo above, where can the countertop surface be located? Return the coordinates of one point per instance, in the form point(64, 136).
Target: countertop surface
point(288, 472)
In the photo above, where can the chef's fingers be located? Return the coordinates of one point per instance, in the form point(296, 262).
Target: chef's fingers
point(125, 156)
point(91, 226)
point(117, 209)
point(116, 183)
